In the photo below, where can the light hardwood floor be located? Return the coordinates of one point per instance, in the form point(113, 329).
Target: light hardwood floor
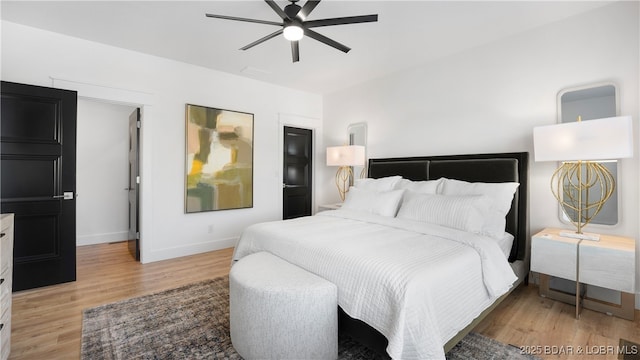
point(549, 329)
point(46, 322)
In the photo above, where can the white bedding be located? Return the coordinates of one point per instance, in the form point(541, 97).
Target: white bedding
point(417, 284)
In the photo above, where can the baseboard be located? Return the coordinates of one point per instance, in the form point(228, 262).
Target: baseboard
point(186, 250)
point(93, 239)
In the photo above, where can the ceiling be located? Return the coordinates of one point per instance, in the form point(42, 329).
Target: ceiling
point(408, 33)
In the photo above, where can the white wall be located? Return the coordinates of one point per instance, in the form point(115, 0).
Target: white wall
point(489, 99)
point(32, 56)
point(102, 172)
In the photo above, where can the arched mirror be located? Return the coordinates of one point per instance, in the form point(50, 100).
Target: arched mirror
point(357, 133)
point(592, 102)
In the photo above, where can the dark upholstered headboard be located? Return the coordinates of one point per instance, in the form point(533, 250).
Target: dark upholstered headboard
point(505, 167)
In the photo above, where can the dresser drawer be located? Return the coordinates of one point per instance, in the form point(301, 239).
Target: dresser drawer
point(6, 249)
point(5, 296)
point(554, 255)
point(6, 281)
point(5, 335)
point(609, 263)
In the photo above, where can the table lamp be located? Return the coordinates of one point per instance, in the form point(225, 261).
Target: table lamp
point(581, 146)
point(345, 157)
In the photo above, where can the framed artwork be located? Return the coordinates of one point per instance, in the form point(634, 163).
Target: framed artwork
point(219, 159)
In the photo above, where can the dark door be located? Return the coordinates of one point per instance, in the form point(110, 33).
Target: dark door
point(38, 174)
point(134, 184)
point(296, 183)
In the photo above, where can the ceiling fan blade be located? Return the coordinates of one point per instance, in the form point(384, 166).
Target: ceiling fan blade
point(243, 19)
point(307, 8)
point(277, 9)
point(323, 39)
point(295, 51)
point(341, 21)
point(261, 40)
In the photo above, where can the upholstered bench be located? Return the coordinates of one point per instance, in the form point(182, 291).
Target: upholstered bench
point(280, 311)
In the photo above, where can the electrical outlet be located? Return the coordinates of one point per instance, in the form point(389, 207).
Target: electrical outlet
point(210, 229)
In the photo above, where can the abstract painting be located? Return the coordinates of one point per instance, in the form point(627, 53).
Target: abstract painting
point(219, 161)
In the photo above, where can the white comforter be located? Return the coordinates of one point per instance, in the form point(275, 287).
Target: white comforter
point(417, 284)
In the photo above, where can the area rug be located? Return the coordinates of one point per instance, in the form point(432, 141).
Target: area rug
point(192, 322)
point(628, 350)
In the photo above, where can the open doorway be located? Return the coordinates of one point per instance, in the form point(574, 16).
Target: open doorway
point(103, 173)
point(134, 184)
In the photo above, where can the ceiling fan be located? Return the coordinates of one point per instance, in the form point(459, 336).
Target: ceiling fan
point(294, 25)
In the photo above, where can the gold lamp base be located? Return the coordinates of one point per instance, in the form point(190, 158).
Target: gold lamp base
point(582, 188)
point(343, 176)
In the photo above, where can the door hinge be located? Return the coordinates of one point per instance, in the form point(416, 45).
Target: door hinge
point(139, 124)
point(138, 235)
point(137, 179)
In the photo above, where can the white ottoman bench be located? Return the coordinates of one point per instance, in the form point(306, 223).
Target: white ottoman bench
point(280, 311)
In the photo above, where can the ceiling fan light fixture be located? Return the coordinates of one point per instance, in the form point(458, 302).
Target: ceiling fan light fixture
point(295, 26)
point(293, 32)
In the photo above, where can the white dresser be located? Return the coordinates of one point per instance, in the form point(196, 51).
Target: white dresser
point(6, 276)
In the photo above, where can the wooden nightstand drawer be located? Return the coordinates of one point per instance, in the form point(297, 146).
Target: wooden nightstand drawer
point(554, 255)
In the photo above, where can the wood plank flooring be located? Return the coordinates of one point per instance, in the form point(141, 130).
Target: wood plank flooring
point(548, 328)
point(46, 322)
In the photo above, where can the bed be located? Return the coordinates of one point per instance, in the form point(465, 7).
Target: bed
point(410, 288)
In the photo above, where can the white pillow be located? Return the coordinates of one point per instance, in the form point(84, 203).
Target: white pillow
point(501, 195)
point(459, 212)
point(383, 203)
point(423, 187)
point(382, 184)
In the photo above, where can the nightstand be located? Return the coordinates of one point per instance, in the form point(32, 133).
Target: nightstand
point(325, 207)
point(607, 263)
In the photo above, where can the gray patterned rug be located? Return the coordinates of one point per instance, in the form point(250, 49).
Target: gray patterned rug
point(192, 322)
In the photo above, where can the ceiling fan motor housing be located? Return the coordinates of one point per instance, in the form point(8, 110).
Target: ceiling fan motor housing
point(292, 10)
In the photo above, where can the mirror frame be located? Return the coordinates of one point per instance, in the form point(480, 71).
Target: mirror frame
point(359, 128)
point(563, 217)
point(585, 87)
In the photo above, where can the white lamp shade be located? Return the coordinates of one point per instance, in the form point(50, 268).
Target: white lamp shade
point(601, 139)
point(348, 155)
